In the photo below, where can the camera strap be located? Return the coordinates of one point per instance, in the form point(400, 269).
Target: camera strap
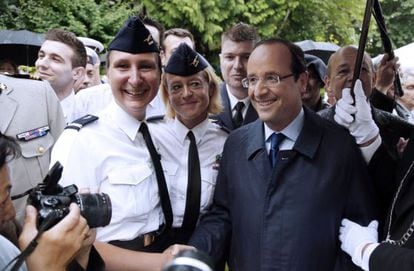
point(21, 195)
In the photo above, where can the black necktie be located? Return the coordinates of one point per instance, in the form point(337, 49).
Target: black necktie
point(192, 204)
point(162, 185)
point(238, 116)
point(275, 140)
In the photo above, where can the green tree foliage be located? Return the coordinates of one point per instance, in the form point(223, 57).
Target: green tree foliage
point(95, 19)
point(398, 15)
point(335, 21)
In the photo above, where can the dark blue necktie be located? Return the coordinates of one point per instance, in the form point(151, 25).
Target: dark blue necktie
point(275, 140)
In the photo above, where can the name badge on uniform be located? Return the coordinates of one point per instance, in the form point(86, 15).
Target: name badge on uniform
point(32, 134)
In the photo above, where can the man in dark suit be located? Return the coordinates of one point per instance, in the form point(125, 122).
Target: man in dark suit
point(281, 210)
point(236, 45)
point(376, 132)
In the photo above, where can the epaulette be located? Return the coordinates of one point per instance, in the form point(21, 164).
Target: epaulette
point(81, 122)
point(220, 126)
point(23, 76)
point(155, 118)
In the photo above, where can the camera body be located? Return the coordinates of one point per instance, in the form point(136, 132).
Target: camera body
point(52, 202)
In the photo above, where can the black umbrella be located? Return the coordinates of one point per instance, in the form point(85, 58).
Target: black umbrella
point(21, 46)
point(323, 50)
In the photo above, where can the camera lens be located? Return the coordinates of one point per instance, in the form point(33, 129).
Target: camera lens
point(95, 208)
point(190, 260)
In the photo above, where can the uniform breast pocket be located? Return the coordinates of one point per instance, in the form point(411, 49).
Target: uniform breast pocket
point(132, 191)
point(36, 146)
point(208, 184)
point(171, 178)
point(36, 157)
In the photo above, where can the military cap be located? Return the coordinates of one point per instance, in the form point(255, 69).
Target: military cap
point(185, 61)
point(134, 38)
point(317, 64)
point(93, 44)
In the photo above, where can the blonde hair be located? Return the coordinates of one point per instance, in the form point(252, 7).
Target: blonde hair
point(214, 106)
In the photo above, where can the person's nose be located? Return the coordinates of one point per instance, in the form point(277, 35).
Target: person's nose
point(260, 88)
point(135, 77)
point(238, 63)
point(187, 92)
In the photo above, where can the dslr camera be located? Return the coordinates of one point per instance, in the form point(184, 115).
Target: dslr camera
point(52, 202)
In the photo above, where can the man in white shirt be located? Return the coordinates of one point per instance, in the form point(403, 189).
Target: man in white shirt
point(61, 61)
point(236, 45)
point(111, 154)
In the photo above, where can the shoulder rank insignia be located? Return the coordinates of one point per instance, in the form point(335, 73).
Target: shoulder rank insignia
point(81, 122)
point(32, 134)
point(155, 118)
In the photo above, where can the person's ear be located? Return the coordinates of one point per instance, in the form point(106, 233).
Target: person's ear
point(78, 73)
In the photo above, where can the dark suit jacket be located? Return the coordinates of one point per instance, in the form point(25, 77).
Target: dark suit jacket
point(287, 218)
point(225, 117)
point(391, 257)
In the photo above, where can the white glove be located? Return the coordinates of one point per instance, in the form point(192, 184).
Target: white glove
point(363, 128)
point(355, 237)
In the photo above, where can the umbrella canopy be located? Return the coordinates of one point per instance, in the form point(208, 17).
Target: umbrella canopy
point(323, 50)
point(21, 46)
point(404, 53)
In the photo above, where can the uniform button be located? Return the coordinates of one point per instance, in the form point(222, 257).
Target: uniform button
point(41, 149)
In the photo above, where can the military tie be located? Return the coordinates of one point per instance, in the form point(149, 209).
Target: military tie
point(192, 204)
point(162, 185)
point(275, 140)
point(238, 116)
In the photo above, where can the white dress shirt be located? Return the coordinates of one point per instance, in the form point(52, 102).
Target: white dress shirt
point(291, 132)
point(233, 101)
point(110, 156)
point(69, 108)
point(170, 136)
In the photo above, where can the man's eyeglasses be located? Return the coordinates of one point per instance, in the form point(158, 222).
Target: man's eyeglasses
point(271, 80)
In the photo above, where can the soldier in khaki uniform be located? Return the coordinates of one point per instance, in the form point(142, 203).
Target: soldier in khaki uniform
point(31, 113)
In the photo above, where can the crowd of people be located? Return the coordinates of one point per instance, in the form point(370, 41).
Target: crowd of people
point(257, 170)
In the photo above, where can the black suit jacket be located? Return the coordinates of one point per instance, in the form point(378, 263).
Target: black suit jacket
point(391, 257)
point(225, 117)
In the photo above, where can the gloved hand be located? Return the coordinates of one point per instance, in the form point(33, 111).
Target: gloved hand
point(355, 237)
point(362, 127)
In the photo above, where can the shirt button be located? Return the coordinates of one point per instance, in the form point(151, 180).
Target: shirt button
point(41, 149)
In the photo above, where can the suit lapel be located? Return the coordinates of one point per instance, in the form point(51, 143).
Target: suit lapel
point(256, 151)
point(251, 115)
point(226, 116)
point(8, 108)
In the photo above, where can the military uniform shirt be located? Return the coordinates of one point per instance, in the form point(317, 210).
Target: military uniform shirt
point(170, 136)
point(110, 156)
point(30, 111)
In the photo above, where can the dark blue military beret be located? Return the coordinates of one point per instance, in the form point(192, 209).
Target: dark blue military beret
point(317, 64)
point(134, 38)
point(185, 61)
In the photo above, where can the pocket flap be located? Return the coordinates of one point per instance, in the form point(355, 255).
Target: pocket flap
point(131, 175)
point(37, 146)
